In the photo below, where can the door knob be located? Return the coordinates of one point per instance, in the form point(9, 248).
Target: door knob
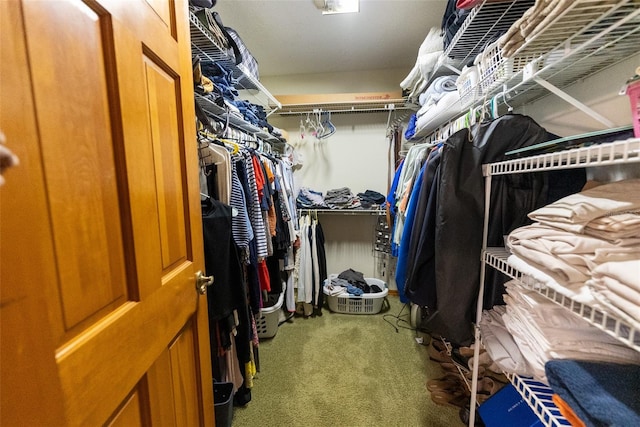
point(202, 282)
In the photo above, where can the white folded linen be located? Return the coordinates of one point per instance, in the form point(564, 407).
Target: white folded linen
point(499, 343)
point(565, 256)
point(544, 330)
point(574, 212)
point(576, 291)
point(615, 227)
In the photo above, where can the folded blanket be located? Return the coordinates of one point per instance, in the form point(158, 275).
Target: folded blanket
point(577, 291)
point(447, 108)
point(574, 212)
point(563, 255)
point(439, 87)
point(600, 394)
point(615, 227)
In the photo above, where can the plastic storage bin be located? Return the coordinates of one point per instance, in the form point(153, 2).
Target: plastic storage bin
point(351, 304)
point(223, 403)
point(633, 91)
point(493, 68)
point(269, 320)
point(467, 84)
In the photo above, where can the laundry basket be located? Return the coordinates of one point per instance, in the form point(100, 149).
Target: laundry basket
point(267, 324)
point(351, 304)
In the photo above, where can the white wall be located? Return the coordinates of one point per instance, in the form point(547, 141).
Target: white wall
point(355, 157)
point(599, 92)
point(344, 82)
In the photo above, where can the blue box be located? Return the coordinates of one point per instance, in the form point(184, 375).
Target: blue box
point(507, 408)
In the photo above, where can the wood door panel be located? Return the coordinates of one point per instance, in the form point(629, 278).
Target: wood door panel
point(167, 139)
point(164, 9)
point(78, 157)
point(185, 384)
point(120, 334)
point(28, 278)
point(161, 402)
point(129, 415)
point(95, 378)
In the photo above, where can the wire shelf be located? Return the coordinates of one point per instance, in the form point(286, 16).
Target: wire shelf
point(221, 114)
point(596, 316)
point(606, 154)
point(483, 24)
point(587, 38)
point(204, 44)
point(346, 107)
point(539, 398)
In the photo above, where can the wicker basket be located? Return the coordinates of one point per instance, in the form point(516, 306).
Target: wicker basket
point(351, 304)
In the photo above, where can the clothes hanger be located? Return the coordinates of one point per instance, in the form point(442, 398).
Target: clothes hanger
point(504, 99)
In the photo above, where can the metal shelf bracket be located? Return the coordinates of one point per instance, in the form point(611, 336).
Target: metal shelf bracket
point(571, 100)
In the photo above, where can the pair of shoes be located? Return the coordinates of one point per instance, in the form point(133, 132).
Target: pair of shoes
point(484, 360)
point(469, 351)
point(457, 399)
point(446, 382)
point(488, 386)
point(437, 355)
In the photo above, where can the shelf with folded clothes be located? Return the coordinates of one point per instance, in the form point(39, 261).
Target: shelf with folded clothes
point(574, 289)
point(354, 211)
point(539, 348)
point(552, 59)
point(595, 315)
point(205, 45)
point(223, 115)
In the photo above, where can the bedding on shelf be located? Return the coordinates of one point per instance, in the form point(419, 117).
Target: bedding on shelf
point(587, 247)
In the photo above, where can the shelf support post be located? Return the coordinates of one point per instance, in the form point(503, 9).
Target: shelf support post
point(571, 100)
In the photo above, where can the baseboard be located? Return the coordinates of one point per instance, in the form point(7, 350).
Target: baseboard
point(393, 292)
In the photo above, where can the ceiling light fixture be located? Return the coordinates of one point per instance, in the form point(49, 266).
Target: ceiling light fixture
point(331, 7)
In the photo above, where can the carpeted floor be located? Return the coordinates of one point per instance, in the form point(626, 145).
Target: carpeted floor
point(344, 370)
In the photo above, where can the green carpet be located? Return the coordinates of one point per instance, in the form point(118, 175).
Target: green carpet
point(344, 370)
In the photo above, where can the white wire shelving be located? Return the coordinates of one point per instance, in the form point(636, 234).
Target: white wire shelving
point(222, 115)
point(596, 316)
point(587, 37)
point(539, 397)
point(618, 152)
point(205, 45)
point(484, 23)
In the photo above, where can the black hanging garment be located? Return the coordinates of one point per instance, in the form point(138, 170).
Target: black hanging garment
point(459, 217)
point(228, 292)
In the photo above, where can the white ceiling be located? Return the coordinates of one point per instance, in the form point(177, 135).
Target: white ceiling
point(293, 37)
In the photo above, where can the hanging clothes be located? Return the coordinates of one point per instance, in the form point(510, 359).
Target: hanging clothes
point(459, 214)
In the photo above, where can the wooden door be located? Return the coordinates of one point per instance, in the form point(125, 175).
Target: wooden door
point(101, 235)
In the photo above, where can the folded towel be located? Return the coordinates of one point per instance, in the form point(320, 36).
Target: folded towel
point(600, 394)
